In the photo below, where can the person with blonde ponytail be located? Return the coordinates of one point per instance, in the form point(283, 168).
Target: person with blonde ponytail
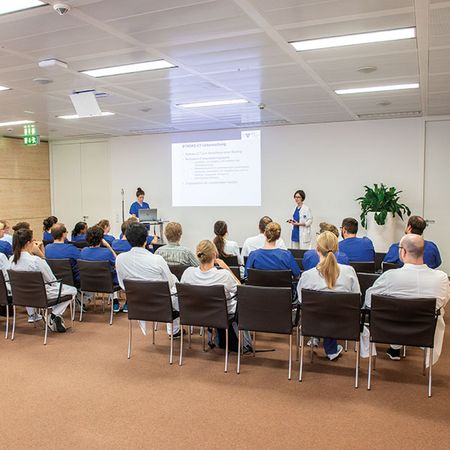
point(329, 275)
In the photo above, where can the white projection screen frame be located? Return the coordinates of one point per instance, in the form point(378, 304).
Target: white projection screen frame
point(224, 171)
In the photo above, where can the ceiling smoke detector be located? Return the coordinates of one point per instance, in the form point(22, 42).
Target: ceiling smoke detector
point(367, 69)
point(42, 81)
point(61, 8)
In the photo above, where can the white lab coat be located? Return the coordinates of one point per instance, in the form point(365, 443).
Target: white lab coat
point(413, 280)
point(306, 218)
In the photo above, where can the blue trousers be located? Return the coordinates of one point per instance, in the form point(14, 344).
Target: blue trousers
point(330, 346)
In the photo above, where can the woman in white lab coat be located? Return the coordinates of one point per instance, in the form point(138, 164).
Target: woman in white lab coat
point(301, 223)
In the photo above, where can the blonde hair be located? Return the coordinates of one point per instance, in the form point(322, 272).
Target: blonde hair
point(272, 232)
point(103, 224)
point(324, 226)
point(327, 245)
point(173, 231)
point(206, 251)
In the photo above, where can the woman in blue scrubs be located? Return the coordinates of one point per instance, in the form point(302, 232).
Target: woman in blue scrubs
point(301, 222)
point(139, 203)
point(48, 223)
point(79, 232)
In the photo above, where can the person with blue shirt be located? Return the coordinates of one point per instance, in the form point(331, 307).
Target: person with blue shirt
point(79, 232)
point(150, 238)
point(357, 249)
point(431, 255)
point(139, 203)
point(106, 227)
point(100, 250)
point(48, 223)
point(122, 245)
point(301, 222)
point(311, 257)
point(7, 232)
point(5, 246)
point(271, 258)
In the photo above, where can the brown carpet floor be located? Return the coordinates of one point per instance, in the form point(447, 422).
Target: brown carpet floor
point(81, 391)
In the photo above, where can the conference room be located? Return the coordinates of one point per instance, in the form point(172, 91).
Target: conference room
point(224, 223)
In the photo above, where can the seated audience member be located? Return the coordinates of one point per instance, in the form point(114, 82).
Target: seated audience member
point(23, 260)
point(48, 223)
point(4, 265)
point(95, 252)
point(311, 257)
point(150, 238)
point(59, 249)
point(173, 253)
point(414, 279)
point(357, 249)
point(431, 255)
point(5, 246)
point(258, 241)
point(38, 246)
point(224, 246)
point(79, 232)
point(7, 231)
point(140, 264)
point(122, 244)
point(106, 227)
point(269, 257)
point(328, 276)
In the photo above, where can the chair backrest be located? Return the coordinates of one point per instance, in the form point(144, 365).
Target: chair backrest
point(299, 261)
point(388, 266)
point(403, 321)
point(231, 260)
point(178, 270)
point(297, 253)
point(62, 270)
point(96, 276)
point(27, 289)
point(266, 309)
point(363, 266)
point(3, 290)
point(366, 281)
point(156, 246)
point(148, 300)
point(46, 242)
point(236, 271)
point(331, 314)
point(202, 305)
point(379, 256)
point(79, 244)
point(269, 278)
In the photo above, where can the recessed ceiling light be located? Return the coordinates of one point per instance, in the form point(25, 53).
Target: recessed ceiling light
point(4, 88)
point(235, 101)
point(76, 116)
point(367, 69)
point(19, 5)
point(392, 87)
point(386, 103)
point(28, 112)
point(42, 81)
point(15, 122)
point(129, 68)
point(354, 39)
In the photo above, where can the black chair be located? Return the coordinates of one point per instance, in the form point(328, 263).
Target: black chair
point(269, 278)
point(46, 242)
point(335, 315)
point(299, 261)
point(403, 321)
point(28, 289)
point(96, 276)
point(265, 309)
point(150, 301)
point(79, 244)
point(366, 281)
point(231, 261)
point(297, 253)
point(236, 272)
point(178, 270)
point(389, 266)
point(203, 306)
point(156, 246)
point(363, 266)
point(379, 256)
point(62, 270)
point(5, 300)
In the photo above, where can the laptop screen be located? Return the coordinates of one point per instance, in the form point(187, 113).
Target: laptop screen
point(148, 215)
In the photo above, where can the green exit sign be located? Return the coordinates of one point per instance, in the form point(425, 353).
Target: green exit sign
point(30, 135)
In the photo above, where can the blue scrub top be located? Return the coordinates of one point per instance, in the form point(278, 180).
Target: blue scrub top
point(358, 249)
point(121, 245)
point(311, 259)
point(109, 238)
point(5, 247)
point(79, 238)
point(47, 236)
point(431, 255)
point(135, 207)
point(272, 259)
point(295, 236)
point(100, 254)
point(65, 251)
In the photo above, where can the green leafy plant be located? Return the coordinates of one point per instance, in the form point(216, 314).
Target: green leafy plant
point(381, 200)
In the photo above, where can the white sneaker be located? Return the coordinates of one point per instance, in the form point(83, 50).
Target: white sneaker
point(314, 342)
point(34, 318)
point(335, 355)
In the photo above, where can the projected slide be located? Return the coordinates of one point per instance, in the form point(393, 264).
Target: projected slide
point(225, 172)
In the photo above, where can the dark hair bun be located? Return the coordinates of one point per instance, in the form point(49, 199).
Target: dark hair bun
point(139, 191)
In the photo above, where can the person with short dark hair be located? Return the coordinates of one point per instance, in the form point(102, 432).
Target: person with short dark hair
point(122, 245)
point(357, 249)
point(79, 232)
point(139, 203)
point(431, 255)
point(47, 226)
point(414, 279)
point(258, 241)
point(301, 222)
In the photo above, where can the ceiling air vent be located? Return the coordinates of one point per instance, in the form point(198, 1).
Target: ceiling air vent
point(153, 130)
point(88, 136)
point(262, 123)
point(391, 115)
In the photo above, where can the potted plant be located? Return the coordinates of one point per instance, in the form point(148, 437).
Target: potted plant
point(379, 205)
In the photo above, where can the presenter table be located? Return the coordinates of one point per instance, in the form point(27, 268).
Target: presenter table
point(160, 224)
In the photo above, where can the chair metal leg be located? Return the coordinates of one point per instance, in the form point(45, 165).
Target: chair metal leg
point(404, 351)
point(189, 336)
point(374, 362)
point(345, 345)
point(46, 326)
point(302, 348)
point(153, 333)
point(297, 347)
point(254, 343)
point(312, 349)
point(238, 367)
point(130, 333)
point(357, 366)
point(14, 323)
point(202, 331)
point(424, 368)
point(226, 350)
point(203, 341)
point(171, 345)
point(369, 373)
point(7, 321)
point(181, 346)
point(112, 309)
point(430, 360)
point(155, 326)
point(290, 357)
point(82, 304)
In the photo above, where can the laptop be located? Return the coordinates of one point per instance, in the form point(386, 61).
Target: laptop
point(148, 215)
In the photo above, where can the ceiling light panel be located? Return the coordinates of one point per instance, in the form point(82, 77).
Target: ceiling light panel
point(365, 90)
point(15, 122)
point(4, 88)
point(355, 39)
point(7, 7)
point(129, 68)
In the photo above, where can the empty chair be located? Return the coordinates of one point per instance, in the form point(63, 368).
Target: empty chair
point(388, 266)
point(62, 270)
point(403, 321)
point(28, 289)
point(327, 314)
point(265, 309)
point(269, 278)
point(5, 300)
point(231, 261)
point(178, 270)
point(366, 281)
point(363, 266)
point(379, 256)
point(96, 276)
point(149, 301)
point(203, 306)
